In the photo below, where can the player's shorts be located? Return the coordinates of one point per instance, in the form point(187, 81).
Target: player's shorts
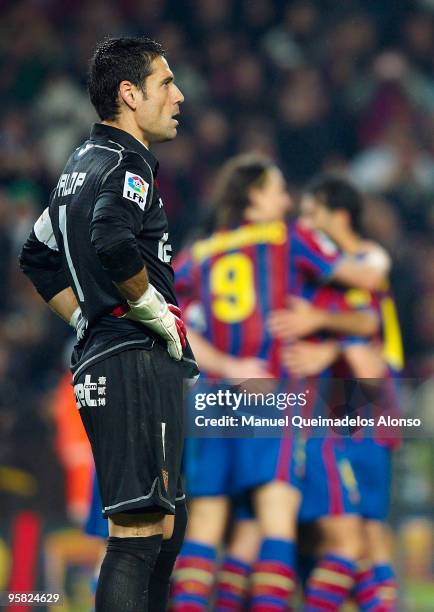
point(329, 487)
point(96, 524)
point(209, 466)
point(131, 405)
point(265, 460)
point(371, 463)
point(233, 466)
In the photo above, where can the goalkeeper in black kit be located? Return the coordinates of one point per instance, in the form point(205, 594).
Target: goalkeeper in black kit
point(99, 255)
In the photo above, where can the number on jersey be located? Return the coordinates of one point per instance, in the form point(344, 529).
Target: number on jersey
point(232, 284)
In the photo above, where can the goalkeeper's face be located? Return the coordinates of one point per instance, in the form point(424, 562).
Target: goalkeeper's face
point(159, 104)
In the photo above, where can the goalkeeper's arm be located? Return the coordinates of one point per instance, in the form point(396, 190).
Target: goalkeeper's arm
point(148, 306)
point(113, 232)
point(65, 305)
point(41, 262)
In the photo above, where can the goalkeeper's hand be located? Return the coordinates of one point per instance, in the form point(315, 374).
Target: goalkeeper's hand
point(152, 310)
point(79, 322)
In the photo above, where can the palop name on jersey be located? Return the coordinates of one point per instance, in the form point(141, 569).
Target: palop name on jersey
point(69, 183)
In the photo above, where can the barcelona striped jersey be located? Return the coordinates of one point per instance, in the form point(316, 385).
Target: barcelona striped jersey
point(229, 282)
point(388, 339)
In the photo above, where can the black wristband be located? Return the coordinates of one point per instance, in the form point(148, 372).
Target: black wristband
point(122, 261)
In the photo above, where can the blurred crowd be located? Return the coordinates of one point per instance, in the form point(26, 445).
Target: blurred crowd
point(317, 84)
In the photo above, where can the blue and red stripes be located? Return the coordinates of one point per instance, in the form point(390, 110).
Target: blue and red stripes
point(330, 584)
point(334, 481)
point(232, 585)
point(273, 576)
point(193, 578)
point(386, 586)
point(365, 590)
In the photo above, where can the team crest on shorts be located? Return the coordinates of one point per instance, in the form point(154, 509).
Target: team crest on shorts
point(135, 189)
point(165, 475)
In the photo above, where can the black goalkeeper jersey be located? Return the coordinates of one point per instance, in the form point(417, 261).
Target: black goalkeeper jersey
point(105, 220)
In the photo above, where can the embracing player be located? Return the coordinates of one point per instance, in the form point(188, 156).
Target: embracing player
point(333, 206)
point(229, 283)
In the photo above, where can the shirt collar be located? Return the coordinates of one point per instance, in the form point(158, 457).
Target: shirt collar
point(108, 132)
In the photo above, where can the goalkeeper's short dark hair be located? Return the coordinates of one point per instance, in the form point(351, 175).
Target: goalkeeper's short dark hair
point(115, 60)
point(338, 193)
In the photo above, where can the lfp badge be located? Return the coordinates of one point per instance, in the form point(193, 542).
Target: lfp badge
point(135, 189)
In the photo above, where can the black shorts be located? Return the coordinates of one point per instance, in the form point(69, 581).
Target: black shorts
point(131, 405)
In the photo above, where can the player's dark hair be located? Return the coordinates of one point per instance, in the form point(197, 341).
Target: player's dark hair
point(116, 60)
point(231, 193)
point(337, 193)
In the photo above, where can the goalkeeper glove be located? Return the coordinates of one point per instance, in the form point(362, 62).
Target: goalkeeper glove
point(152, 310)
point(79, 322)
